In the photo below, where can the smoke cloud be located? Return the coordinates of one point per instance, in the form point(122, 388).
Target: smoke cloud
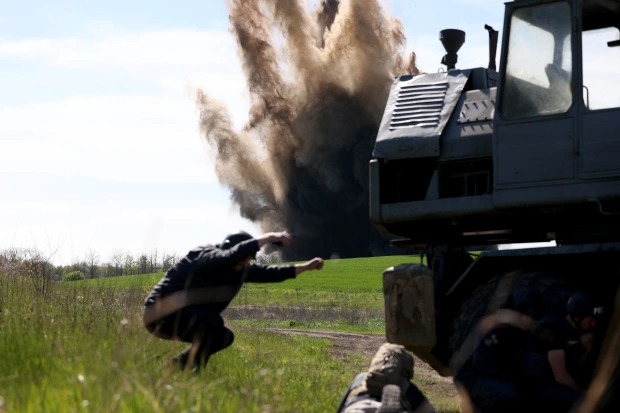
point(318, 83)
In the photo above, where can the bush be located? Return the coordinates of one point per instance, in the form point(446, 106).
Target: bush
point(74, 276)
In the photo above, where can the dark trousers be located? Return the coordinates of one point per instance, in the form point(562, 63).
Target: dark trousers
point(555, 398)
point(490, 394)
point(197, 325)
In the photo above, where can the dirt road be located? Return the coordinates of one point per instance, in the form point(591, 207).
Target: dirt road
point(346, 344)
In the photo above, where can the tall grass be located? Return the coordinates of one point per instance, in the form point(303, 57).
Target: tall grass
point(76, 347)
point(346, 295)
point(80, 349)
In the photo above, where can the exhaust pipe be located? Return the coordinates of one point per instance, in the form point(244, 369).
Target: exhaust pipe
point(492, 46)
point(452, 40)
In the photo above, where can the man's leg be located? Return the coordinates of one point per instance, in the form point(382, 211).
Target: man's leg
point(197, 325)
point(208, 341)
point(206, 331)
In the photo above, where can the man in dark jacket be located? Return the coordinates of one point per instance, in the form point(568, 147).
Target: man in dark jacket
point(567, 345)
point(187, 302)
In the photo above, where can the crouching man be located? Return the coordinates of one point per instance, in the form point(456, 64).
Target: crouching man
point(386, 387)
point(187, 303)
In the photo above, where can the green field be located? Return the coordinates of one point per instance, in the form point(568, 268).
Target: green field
point(344, 275)
point(346, 295)
point(81, 346)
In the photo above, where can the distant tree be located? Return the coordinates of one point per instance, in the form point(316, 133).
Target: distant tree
point(8, 258)
point(129, 263)
point(78, 265)
point(92, 264)
point(167, 261)
point(58, 273)
point(153, 261)
point(8, 261)
point(118, 263)
point(28, 263)
point(143, 264)
point(13, 260)
point(107, 270)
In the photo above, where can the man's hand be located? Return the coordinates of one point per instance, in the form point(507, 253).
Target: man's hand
point(587, 341)
point(283, 239)
point(314, 264)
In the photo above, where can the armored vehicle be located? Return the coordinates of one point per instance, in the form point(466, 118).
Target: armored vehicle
point(469, 161)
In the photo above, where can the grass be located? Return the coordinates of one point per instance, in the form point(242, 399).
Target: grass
point(346, 295)
point(79, 347)
point(353, 282)
point(365, 324)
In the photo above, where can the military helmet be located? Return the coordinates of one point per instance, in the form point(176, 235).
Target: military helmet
point(582, 304)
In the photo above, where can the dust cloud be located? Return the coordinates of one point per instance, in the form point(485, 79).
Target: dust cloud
point(318, 82)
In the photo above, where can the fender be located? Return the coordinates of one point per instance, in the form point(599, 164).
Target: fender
point(409, 296)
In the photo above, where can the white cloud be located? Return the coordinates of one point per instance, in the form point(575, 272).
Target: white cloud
point(110, 137)
point(170, 61)
point(137, 125)
point(126, 50)
point(137, 131)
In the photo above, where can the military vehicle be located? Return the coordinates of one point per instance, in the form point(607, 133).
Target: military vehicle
point(469, 161)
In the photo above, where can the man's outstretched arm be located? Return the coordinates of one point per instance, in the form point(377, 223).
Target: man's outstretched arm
point(315, 263)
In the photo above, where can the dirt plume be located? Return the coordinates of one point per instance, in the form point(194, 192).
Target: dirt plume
point(318, 82)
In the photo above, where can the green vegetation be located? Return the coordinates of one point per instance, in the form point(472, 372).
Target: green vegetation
point(80, 346)
point(74, 276)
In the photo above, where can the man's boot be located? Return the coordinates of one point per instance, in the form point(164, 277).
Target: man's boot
point(390, 399)
point(182, 358)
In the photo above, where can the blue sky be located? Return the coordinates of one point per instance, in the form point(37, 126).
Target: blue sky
point(99, 142)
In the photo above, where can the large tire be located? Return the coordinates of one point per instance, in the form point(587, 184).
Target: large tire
point(496, 293)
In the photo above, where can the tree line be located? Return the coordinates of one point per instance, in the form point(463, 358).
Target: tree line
point(17, 260)
point(20, 261)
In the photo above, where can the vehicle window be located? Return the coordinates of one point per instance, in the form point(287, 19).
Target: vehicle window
point(538, 71)
point(600, 64)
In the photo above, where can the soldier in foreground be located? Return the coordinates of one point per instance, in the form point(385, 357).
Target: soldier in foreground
point(489, 379)
point(567, 344)
point(521, 364)
point(386, 387)
point(187, 303)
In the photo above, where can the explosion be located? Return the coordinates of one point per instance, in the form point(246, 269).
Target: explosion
point(318, 83)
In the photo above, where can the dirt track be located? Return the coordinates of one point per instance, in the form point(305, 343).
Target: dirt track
point(346, 344)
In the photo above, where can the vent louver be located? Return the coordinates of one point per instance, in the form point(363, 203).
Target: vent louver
point(419, 105)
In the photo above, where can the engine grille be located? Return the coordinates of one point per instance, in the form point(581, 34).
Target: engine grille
point(419, 105)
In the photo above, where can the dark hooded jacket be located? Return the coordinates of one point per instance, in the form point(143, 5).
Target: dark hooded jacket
point(206, 276)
